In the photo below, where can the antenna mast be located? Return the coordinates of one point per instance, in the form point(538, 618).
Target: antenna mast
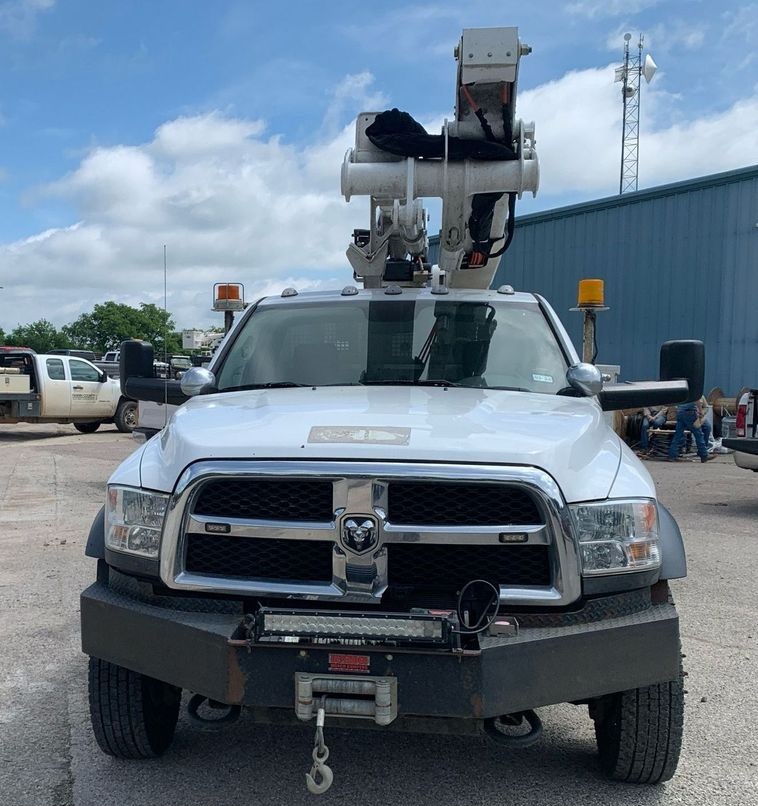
point(629, 75)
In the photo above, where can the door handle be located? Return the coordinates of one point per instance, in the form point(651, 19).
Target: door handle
point(77, 387)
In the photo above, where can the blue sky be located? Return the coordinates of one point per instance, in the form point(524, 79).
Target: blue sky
point(218, 127)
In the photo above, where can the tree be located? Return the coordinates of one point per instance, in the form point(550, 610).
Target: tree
point(110, 323)
point(40, 336)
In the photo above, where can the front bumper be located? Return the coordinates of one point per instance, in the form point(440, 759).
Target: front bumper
point(540, 666)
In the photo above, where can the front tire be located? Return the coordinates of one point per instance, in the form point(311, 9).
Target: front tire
point(133, 716)
point(87, 428)
point(639, 732)
point(126, 416)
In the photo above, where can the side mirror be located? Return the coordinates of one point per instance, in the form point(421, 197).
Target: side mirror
point(197, 380)
point(585, 378)
point(103, 376)
point(684, 360)
point(135, 360)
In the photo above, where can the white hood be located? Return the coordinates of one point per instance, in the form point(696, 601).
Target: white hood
point(567, 437)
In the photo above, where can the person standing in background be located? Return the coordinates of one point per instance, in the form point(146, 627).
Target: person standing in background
point(701, 422)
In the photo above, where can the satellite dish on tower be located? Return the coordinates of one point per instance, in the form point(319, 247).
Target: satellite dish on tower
point(649, 68)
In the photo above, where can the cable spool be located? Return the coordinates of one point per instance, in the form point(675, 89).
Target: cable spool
point(722, 405)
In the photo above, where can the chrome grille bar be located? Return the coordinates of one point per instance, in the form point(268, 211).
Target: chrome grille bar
point(361, 489)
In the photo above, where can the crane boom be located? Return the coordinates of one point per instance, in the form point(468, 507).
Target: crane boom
point(480, 163)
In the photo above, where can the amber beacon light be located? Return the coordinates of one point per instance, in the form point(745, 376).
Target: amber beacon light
point(591, 294)
point(591, 299)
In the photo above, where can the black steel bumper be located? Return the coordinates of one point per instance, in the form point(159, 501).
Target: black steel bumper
point(540, 666)
point(742, 444)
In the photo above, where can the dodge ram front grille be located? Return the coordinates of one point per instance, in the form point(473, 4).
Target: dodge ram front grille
point(429, 567)
point(259, 558)
point(266, 499)
point(407, 534)
point(459, 504)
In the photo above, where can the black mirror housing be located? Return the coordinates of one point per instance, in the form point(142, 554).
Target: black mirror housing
point(684, 359)
point(617, 396)
point(136, 360)
point(155, 390)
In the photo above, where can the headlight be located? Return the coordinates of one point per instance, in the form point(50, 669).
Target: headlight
point(617, 536)
point(134, 520)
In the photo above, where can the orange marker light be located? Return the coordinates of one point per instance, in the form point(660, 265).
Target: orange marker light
point(591, 294)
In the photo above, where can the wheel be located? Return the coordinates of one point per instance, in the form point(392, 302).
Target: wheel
point(133, 716)
point(87, 428)
point(639, 732)
point(126, 416)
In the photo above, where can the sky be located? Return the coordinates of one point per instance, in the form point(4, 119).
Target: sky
point(218, 129)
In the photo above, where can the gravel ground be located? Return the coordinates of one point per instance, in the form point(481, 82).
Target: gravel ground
point(52, 482)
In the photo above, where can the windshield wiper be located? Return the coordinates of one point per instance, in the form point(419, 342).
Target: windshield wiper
point(406, 382)
point(269, 385)
point(440, 382)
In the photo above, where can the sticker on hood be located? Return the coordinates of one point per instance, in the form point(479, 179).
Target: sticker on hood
point(379, 435)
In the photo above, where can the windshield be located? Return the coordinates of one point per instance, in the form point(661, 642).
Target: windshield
point(505, 345)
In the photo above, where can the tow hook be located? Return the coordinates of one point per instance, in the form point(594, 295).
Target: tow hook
point(492, 727)
point(363, 697)
point(193, 711)
point(319, 769)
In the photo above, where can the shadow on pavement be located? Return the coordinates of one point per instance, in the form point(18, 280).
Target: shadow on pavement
point(8, 434)
point(249, 764)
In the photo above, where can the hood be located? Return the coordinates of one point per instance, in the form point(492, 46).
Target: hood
point(567, 437)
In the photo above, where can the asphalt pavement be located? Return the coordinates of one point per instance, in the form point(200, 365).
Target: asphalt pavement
point(51, 486)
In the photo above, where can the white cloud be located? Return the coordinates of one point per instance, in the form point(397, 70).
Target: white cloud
point(19, 17)
point(609, 8)
point(229, 204)
point(741, 26)
point(579, 135)
point(233, 203)
point(355, 91)
point(662, 38)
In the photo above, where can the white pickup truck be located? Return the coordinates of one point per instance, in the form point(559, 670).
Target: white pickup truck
point(402, 503)
point(60, 389)
point(110, 363)
point(745, 444)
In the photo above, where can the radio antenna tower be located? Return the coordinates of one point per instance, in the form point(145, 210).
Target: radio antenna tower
point(629, 75)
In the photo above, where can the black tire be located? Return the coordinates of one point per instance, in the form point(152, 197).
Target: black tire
point(126, 416)
point(133, 716)
point(639, 732)
point(86, 428)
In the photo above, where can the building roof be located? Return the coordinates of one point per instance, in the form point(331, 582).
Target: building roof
point(659, 191)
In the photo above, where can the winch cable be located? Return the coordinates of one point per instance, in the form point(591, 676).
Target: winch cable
point(480, 255)
point(476, 109)
point(505, 99)
point(510, 227)
point(485, 617)
point(320, 777)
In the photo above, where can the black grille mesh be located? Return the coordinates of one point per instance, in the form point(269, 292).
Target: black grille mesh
point(429, 567)
point(266, 499)
point(453, 504)
point(259, 557)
